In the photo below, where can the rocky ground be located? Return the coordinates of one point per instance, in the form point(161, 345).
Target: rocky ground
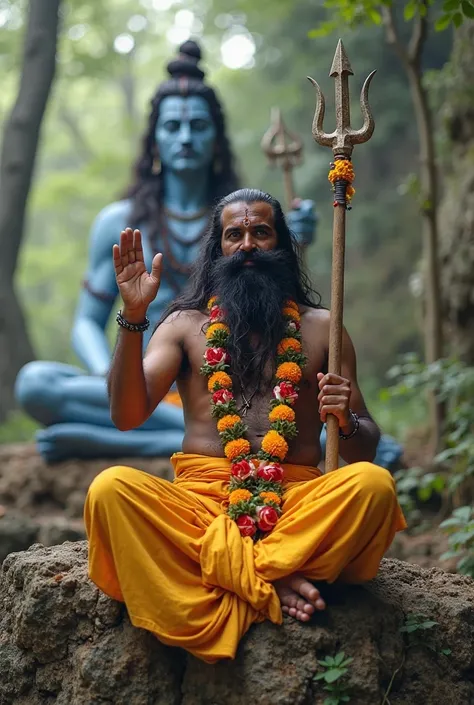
point(63, 642)
point(42, 503)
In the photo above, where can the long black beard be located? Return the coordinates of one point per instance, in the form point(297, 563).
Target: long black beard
point(252, 297)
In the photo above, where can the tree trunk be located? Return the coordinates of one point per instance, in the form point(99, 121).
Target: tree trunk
point(20, 142)
point(410, 56)
point(457, 209)
point(433, 325)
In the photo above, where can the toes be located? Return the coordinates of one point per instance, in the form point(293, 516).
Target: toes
point(285, 609)
point(320, 604)
point(292, 611)
point(306, 589)
point(302, 616)
point(303, 606)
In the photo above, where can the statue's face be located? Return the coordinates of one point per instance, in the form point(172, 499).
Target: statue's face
point(185, 133)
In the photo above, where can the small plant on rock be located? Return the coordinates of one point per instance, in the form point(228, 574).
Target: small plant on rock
point(334, 676)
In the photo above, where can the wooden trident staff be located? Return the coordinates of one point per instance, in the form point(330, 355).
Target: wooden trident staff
point(284, 149)
point(342, 141)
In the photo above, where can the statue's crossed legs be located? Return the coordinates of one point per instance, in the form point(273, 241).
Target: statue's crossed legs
point(74, 407)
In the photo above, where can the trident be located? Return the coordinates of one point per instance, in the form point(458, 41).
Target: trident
point(342, 141)
point(284, 149)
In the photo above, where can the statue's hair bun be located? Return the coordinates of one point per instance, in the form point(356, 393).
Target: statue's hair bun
point(185, 65)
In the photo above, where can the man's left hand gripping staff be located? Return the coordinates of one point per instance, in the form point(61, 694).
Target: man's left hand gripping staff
point(334, 397)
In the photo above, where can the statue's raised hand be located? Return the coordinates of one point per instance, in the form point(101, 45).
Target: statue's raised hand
point(137, 287)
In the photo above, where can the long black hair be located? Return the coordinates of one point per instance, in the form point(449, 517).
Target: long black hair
point(253, 298)
point(146, 191)
point(199, 288)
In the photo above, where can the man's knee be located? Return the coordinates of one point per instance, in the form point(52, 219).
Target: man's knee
point(372, 480)
point(106, 486)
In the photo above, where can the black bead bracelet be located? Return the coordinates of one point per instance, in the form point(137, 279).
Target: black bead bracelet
point(132, 327)
point(355, 419)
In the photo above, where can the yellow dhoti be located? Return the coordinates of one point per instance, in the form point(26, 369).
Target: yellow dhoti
point(169, 551)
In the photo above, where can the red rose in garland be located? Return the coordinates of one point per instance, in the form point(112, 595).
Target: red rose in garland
point(216, 356)
point(216, 314)
point(285, 391)
point(246, 524)
point(267, 518)
point(222, 396)
point(273, 472)
point(242, 470)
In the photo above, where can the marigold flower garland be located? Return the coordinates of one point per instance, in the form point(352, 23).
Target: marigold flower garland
point(342, 170)
point(256, 479)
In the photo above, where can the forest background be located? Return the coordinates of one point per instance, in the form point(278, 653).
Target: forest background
point(112, 55)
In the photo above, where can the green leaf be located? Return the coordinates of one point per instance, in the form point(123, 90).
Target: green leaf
point(458, 19)
point(464, 513)
point(374, 15)
point(331, 701)
point(339, 658)
point(409, 10)
point(446, 652)
point(334, 674)
point(319, 676)
point(451, 5)
point(468, 9)
point(409, 628)
point(443, 22)
point(449, 554)
point(451, 522)
point(429, 624)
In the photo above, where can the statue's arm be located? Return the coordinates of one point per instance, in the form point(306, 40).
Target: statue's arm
point(99, 293)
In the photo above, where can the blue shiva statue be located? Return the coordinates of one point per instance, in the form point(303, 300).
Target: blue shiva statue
point(185, 166)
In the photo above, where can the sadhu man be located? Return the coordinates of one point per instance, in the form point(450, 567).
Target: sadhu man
point(249, 522)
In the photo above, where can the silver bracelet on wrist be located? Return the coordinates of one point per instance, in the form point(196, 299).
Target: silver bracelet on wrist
point(132, 327)
point(355, 419)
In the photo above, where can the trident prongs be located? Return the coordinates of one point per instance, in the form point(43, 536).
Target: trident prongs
point(344, 137)
point(282, 147)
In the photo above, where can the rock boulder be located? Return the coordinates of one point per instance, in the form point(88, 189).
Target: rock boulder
point(63, 642)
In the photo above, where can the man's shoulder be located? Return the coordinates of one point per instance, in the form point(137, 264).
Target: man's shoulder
point(188, 320)
point(315, 316)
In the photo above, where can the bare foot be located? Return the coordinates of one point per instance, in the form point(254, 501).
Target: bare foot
point(298, 597)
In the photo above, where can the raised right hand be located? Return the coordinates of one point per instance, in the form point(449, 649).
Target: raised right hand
point(137, 287)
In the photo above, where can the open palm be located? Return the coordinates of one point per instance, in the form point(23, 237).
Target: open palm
point(137, 287)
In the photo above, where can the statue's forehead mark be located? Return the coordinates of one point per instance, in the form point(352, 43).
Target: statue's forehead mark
point(246, 220)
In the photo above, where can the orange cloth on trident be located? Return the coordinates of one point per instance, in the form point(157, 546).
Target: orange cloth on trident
point(169, 551)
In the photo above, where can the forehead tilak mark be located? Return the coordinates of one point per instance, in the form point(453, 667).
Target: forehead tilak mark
point(246, 220)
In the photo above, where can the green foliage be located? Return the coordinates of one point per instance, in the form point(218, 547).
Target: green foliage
point(415, 627)
point(453, 383)
point(333, 676)
point(415, 623)
point(460, 530)
point(356, 12)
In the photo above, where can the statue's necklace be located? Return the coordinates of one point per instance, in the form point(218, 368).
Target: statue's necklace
point(185, 217)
